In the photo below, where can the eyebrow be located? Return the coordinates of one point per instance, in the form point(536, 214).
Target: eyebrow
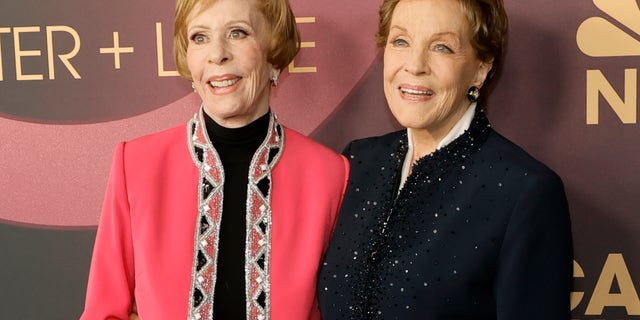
point(233, 22)
point(447, 33)
point(397, 27)
point(198, 26)
point(439, 34)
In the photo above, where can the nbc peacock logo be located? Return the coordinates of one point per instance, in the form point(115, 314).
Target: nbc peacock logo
point(617, 34)
point(601, 37)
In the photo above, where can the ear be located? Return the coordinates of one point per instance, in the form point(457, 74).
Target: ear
point(274, 75)
point(274, 72)
point(481, 72)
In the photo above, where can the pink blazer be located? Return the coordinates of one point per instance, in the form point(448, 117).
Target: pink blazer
point(144, 247)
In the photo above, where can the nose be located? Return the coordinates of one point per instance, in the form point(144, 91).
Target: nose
point(219, 52)
point(417, 62)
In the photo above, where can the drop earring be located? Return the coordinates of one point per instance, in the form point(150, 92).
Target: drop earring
point(473, 94)
point(274, 77)
point(193, 86)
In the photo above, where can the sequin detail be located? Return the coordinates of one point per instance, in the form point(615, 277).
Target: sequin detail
point(428, 170)
point(258, 233)
point(383, 241)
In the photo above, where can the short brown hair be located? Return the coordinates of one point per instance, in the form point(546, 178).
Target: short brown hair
point(488, 23)
point(284, 32)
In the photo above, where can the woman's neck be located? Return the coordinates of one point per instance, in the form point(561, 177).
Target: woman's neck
point(427, 140)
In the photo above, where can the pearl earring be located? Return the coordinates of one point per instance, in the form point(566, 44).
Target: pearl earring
point(473, 94)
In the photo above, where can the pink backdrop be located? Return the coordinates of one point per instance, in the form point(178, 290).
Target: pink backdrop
point(567, 94)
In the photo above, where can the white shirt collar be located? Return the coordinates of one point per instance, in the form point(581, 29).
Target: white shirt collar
point(458, 129)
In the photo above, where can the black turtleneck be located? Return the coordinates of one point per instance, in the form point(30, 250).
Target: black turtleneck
point(236, 148)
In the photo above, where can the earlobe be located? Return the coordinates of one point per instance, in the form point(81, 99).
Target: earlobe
point(275, 74)
point(482, 72)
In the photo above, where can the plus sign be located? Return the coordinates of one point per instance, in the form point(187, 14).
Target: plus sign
point(116, 49)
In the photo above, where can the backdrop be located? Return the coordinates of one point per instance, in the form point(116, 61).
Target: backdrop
point(77, 77)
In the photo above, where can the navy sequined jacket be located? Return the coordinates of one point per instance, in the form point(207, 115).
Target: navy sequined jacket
point(480, 230)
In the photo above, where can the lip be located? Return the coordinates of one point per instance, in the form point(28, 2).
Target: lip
point(415, 93)
point(223, 84)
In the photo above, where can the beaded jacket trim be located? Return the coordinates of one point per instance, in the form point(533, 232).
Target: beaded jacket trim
point(258, 233)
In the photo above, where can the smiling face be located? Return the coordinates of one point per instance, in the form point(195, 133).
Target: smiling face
point(227, 58)
point(429, 64)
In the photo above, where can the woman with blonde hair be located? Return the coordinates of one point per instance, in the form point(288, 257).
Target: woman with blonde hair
point(447, 219)
point(228, 215)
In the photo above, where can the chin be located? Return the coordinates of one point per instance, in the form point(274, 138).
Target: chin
point(408, 119)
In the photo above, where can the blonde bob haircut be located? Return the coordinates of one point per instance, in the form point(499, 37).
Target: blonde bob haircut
point(284, 32)
point(488, 23)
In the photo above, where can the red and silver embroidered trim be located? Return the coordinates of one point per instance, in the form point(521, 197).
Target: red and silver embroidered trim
point(258, 233)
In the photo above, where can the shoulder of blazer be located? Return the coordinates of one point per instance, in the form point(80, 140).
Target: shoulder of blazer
point(298, 143)
point(375, 143)
point(518, 157)
point(158, 148)
point(164, 137)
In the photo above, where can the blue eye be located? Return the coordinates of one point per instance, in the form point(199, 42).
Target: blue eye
point(399, 43)
point(442, 48)
point(238, 34)
point(198, 38)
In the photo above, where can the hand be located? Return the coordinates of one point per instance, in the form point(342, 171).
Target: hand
point(134, 312)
